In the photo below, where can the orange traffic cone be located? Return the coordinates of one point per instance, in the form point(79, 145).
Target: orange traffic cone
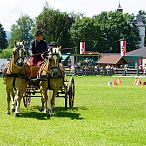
point(115, 82)
point(137, 82)
point(119, 81)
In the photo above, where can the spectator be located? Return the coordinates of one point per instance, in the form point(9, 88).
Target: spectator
point(107, 69)
point(144, 70)
point(125, 70)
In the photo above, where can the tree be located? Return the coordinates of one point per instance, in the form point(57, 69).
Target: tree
point(117, 26)
point(3, 39)
point(55, 25)
point(84, 30)
point(6, 53)
point(22, 30)
point(103, 32)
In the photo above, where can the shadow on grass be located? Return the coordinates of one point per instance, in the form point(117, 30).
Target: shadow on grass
point(35, 115)
point(33, 112)
point(69, 113)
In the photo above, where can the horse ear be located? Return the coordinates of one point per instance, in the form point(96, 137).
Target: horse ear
point(15, 43)
point(23, 42)
point(51, 49)
point(60, 48)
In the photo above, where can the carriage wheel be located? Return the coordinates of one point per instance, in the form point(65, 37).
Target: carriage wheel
point(65, 102)
point(71, 92)
point(66, 95)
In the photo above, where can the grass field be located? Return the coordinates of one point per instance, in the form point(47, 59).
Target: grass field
point(102, 116)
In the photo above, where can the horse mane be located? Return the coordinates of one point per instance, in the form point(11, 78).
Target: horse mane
point(11, 67)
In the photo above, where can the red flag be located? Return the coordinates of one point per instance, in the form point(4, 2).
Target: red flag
point(123, 47)
point(82, 47)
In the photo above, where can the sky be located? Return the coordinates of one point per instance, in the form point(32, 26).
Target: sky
point(11, 10)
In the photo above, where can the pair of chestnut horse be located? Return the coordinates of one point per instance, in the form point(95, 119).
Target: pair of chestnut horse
point(18, 74)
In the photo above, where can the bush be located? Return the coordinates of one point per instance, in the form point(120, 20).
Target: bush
point(6, 53)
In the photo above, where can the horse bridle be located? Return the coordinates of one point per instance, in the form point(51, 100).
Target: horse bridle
point(20, 47)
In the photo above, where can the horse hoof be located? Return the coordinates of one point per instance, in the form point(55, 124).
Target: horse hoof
point(53, 110)
point(41, 109)
point(8, 113)
point(16, 114)
point(13, 110)
point(49, 115)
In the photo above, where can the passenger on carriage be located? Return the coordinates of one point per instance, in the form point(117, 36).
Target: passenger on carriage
point(38, 49)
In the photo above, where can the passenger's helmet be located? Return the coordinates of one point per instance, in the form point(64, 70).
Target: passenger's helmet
point(53, 44)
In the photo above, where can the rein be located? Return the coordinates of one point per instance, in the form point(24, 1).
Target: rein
point(41, 53)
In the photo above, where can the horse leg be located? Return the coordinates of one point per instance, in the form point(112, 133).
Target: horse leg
point(43, 103)
point(50, 94)
point(19, 96)
point(13, 101)
point(8, 102)
point(45, 98)
point(46, 101)
point(43, 89)
point(9, 90)
point(21, 88)
point(17, 100)
point(53, 100)
point(43, 93)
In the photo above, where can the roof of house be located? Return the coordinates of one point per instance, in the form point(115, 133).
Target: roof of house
point(137, 52)
point(112, 59)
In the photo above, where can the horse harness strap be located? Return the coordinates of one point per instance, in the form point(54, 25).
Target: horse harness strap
point(48, 78)
point(11, 75)
point(14, 82)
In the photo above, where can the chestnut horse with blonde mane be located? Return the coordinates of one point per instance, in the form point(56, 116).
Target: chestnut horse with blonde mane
point(51, 75)
point(14, 78)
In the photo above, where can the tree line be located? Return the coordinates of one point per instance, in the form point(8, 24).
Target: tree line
point(101, 33)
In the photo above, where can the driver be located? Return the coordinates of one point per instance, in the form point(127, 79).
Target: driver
point(38, 49)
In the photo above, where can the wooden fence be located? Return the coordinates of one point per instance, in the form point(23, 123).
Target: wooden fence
point(104, 72)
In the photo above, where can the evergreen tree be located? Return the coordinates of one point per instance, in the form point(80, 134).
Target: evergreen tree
point(3, 38)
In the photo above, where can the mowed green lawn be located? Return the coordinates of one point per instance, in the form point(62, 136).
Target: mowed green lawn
point(103, 115)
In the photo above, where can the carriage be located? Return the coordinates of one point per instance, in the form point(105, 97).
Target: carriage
point(28, 81)
point(66, 91)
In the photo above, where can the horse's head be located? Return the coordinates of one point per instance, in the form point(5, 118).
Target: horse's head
point(18, 53)
point(54, 57)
